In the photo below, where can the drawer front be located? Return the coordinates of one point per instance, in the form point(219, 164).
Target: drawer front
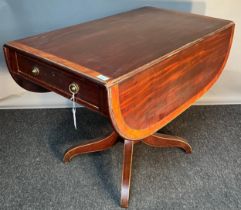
point(59, 80)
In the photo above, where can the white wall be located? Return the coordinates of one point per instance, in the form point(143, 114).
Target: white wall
point(22, 18)
point(227, 90)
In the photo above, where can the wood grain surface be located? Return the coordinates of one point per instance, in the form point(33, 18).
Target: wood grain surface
point(141, 105)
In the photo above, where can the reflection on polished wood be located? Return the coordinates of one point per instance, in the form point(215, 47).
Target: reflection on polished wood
point(163, 140)
point(94, 146)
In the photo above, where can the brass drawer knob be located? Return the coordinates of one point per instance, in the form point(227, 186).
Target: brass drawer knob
point(74, 88)
point(35, 71)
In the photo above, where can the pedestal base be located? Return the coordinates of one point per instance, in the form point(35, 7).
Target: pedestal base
point(155, 140)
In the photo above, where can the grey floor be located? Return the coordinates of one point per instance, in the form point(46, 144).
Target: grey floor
point(32, 175)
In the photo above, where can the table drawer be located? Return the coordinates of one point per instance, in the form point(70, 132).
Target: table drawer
point(59, 80)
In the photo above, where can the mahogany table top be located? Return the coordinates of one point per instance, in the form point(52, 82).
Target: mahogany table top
point(118, 45)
